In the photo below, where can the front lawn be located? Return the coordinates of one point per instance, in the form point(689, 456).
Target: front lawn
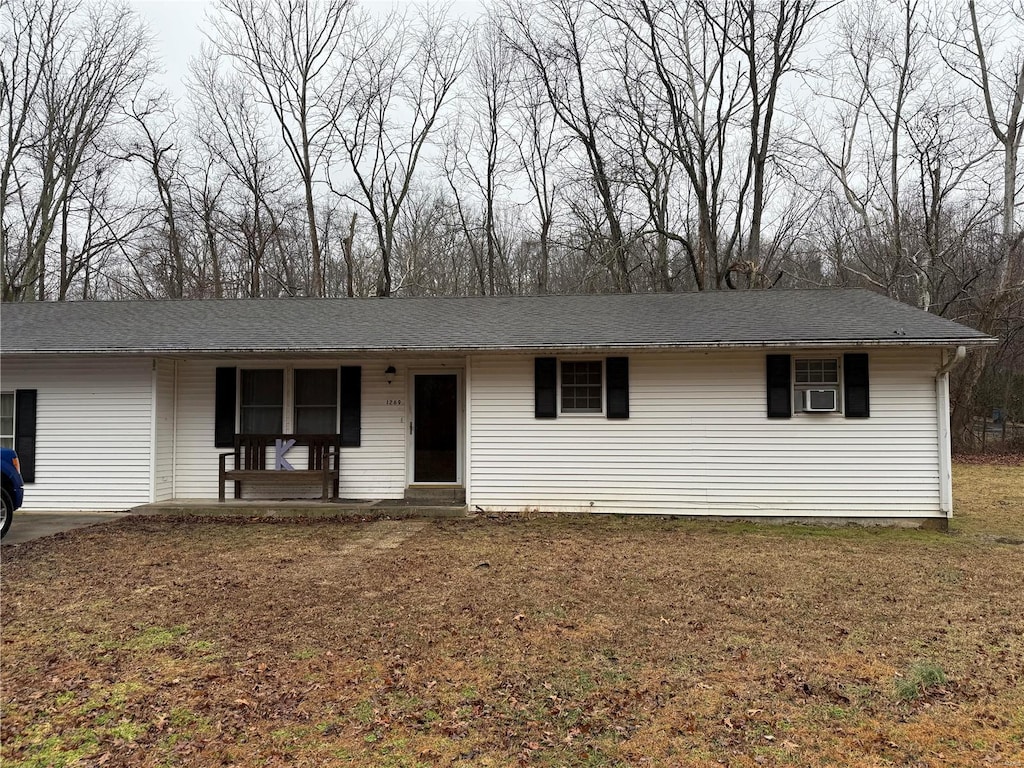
point(548, 641)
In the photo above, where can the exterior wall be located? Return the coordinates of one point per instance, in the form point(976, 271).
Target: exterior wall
point(113, 433)
point(698, 442)
point(93, 431)
point(375, 470)
point(163, 432)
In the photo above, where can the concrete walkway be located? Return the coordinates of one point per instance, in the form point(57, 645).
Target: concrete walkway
point(33, 525)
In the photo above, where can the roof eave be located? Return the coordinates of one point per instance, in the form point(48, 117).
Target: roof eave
point(982, 341)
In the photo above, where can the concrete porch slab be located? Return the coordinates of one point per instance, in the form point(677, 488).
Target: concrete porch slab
point(383, 508)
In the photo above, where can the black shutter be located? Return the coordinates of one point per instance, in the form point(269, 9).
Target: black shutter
point(855, 388)
point(780, 392)
point(351, 405)
point(545, 387)
point(617, 377)
point(225, 398)
point(25, 432)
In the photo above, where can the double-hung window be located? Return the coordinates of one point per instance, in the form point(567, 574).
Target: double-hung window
point(262, 401)
point(316, 401)
point(287, 400)
point(581, 386)
point(816, 383)
point(275, 400)
point(6, 419)
point(838, 384)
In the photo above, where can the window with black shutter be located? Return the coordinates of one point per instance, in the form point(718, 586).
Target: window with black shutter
point(303, 401)
point(818, 386)
point(581, 387)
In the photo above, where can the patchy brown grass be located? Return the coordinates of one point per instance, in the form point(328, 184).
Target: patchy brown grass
point(551, 641)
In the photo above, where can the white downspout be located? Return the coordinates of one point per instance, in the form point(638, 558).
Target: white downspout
point(154, 418)
point(467, 460)
point(174, 436)
point(945, 443)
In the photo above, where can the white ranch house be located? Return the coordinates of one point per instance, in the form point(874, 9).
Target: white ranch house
point(783, 404)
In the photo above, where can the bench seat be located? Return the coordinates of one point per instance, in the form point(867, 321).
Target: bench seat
point(250, 463)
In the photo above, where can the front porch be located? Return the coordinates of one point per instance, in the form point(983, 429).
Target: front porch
point(415, 507)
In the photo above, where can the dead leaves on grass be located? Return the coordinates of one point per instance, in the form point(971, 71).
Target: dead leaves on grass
point(603, 642)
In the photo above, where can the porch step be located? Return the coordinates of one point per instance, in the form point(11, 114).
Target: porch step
point(435, 494)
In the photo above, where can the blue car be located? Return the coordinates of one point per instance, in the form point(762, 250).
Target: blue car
point(13, 487)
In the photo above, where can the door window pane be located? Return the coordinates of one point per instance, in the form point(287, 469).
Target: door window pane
point(262, 406)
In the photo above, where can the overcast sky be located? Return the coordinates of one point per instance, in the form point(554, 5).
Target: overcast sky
point(178, 28)
point(176, 25)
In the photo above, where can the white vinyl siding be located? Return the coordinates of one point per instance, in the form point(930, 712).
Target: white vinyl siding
point(163, 416)
point(698, 442)
point(375, 470)
point(93, 431)
point(113, 433)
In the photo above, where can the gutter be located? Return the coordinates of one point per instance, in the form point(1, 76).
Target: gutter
point(513, 348)
point(958, 356)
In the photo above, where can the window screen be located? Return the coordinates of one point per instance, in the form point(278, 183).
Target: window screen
point(262, 401)
point(316, 401)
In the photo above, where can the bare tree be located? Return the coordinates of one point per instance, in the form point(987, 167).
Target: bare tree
point(156, 146)
point(232, 130)
point(987, 51)
point(288, 49)
point(477, 151)
point(871, 77)
point(557, 41)
point(687, 95)
point(402, 76)
point(768, 36)
point(535, 134)
point(995, 68)
point(67, 72)
point(206, 192)
point(31, 33)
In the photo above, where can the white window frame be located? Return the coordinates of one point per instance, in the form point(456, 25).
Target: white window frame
point(799, 387)
point(604, 388)
point(7, 441)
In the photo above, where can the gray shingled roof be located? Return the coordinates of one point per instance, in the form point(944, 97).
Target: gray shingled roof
point(669, 320)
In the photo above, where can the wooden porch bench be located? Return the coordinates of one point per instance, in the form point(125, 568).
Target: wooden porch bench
point(252, 452)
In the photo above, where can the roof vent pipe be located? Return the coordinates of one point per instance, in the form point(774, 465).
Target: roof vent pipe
point(953, 362)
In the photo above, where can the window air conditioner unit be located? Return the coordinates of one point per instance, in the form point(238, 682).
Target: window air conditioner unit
point(820, 400)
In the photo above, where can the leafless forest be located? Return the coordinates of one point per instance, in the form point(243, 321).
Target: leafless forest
point(567, 146)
